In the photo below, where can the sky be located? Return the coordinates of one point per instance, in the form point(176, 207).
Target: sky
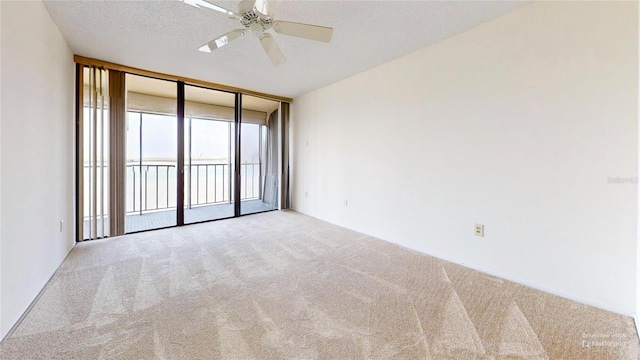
point(209, 139)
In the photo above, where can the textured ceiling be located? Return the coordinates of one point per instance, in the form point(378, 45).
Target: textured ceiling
point(164, 36)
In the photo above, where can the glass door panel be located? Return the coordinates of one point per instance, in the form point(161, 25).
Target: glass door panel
point(151, 151)
point(258, 155)
point(209, 154)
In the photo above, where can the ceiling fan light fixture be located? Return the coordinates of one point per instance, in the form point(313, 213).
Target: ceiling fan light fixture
point(256, 28)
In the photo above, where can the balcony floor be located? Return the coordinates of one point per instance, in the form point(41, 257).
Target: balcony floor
point(166, 218)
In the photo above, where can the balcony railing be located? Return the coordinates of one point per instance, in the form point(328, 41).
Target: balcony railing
point(152, 187)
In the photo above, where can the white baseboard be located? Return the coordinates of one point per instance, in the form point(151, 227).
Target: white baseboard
point(541, 288)
point(37, 297)
point(502, 276)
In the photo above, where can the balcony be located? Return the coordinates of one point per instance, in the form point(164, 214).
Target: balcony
point(151, 195)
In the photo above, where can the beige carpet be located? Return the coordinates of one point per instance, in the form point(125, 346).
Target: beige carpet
point(282, 285)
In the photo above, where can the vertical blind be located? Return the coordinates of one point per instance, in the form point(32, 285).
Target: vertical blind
point(118, 153)
point(285, 201)
point(93, 133)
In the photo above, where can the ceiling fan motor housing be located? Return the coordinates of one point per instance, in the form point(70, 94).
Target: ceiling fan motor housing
point(255, 22)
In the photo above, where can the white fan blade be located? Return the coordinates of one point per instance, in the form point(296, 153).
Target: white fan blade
point(245, 5)
point(266, 7)
point(305, 31)
point(272, 50)
point(208, 5)
point(222, 40)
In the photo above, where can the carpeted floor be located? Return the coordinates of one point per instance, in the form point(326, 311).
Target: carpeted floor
point(281, 285)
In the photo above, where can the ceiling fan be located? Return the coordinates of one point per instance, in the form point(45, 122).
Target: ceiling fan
point(256, 17)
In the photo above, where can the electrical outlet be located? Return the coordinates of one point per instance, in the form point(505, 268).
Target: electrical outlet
point(61, 225)
point(479, 230)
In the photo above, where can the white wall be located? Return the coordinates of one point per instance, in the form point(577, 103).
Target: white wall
point(36, 157)
point(637, 317)
point(516, 124)
point(1, 333)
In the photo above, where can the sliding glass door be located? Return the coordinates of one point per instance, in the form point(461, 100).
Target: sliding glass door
point(258, 155)
point(151, 151)
point(156, 153)
point(209, 154)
